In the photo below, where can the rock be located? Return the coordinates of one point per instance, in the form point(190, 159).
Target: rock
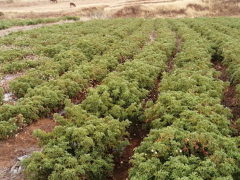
point(62, 112)
point(16, 169)
point(24, 157)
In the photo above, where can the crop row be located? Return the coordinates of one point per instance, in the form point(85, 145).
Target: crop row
point(50, 95)
point(7, 23)
point(231, 22)
point(190, 136)
point(89, 134)
point(227, 48)
point(223, 28)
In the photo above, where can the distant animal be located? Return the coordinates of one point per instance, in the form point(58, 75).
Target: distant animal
point(1, 14)
point(72, 4)
point(54, 1)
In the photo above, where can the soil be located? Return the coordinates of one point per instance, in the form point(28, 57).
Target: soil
point(82, 95)
point(21, 144)
point(152, 37)
point(5, 32)
point(122, 163)
point(6, 78)
point(229, 99)
point(170, 63)
point(153, 94)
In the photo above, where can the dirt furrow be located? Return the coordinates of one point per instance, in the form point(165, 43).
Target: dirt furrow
point(170, 63)
point(229, 99)
point(122, 161)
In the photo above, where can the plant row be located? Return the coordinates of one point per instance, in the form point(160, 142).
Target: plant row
point(190, 136)
point(7, 23)
point(90, 133)
point(229, 21)
point(222, 27)
point(227, 48)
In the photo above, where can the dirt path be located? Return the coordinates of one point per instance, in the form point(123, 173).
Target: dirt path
point(5, 32)
point(21, 144)
point(170, 63)
point(122, 165)
point(229, 99)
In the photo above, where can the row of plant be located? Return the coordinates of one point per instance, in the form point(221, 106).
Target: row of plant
point(227, 48)
point(190, 136)
point(222, 26)
point(229, 21)
point(7, 23)
point(89, 134)
point(22, 51)
point(50, 96)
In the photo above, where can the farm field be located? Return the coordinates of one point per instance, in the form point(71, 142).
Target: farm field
point(125, 98)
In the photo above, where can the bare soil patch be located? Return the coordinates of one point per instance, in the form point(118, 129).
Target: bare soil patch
point(153, 94)
point(122, 165)
point(21, 144)
point(4, 82)
point(82, 95)
point(170, 63)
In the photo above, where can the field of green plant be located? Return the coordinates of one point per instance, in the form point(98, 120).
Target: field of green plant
point(103, 74)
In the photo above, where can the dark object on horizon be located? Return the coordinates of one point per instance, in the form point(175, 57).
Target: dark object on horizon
point(1, 14)
point(72, 4)
point(54, 1)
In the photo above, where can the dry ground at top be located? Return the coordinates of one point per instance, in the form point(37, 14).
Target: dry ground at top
point(119, 8)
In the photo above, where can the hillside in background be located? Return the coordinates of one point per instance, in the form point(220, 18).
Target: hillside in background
point(120, 8)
